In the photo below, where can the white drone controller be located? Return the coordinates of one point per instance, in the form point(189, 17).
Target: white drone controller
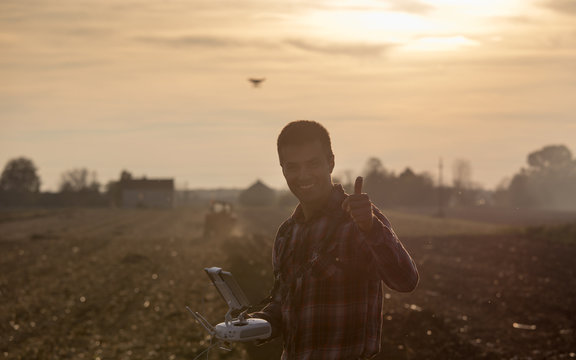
point(239, 329)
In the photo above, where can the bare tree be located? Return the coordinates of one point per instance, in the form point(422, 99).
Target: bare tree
point(462, 174)
point(78, 180)
point(465, 193)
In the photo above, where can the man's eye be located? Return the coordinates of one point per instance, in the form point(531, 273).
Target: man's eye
point(291, 168)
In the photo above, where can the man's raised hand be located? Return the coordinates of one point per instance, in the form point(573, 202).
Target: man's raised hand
point(359, 206)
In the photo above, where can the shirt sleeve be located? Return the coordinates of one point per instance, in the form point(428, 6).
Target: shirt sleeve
point(387, 255)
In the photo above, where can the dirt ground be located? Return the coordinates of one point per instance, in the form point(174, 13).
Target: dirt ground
point(486, 297)
point(113, 284)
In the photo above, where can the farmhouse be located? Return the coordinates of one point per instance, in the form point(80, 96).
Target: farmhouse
point(259, 194)
point(147, 193)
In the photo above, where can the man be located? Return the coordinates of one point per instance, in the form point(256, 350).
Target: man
point(330, 258)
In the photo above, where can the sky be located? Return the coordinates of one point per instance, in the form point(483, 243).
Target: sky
point(159, 88)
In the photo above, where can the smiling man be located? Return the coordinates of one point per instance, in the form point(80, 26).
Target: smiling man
point(330, 258)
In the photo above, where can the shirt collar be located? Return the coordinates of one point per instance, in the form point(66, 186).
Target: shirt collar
point(333, 206)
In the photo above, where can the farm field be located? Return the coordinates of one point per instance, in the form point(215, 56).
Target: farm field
point(114, 283)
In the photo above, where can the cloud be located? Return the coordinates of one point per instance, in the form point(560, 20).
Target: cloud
point(88, 31)
point(516, 20)
point(7, 39)
point(410, 6)
point(538, 43)
point(567, 7)
point(441, 43)
point(560, 41)
point(503, 61)
point(405, 6)
point(351, 49)
point(192, 41)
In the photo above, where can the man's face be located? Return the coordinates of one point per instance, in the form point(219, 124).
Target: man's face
point(307, 170)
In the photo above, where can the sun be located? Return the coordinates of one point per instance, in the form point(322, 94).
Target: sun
point(365, 25)
point(439, 25)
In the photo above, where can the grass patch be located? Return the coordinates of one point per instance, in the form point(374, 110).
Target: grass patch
point(406, 224)
point(565, 233)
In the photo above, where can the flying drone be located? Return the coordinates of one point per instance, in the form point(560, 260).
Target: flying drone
point(256, 81)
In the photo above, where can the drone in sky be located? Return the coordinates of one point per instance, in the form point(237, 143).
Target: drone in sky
point(256, 81)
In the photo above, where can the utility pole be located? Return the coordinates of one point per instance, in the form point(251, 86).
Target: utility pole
point(440, 190)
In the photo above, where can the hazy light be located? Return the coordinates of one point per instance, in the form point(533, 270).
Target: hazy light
point(480, 7)
point(79, 86)
point(368, 26)
point(370, 22)
point(448, 43)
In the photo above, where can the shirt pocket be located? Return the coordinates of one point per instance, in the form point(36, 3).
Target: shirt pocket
point(333, 263)
point(325, 267)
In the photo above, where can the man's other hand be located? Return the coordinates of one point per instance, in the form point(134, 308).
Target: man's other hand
point(359, 206)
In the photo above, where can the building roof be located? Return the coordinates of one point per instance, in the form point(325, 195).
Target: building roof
point(259, 186)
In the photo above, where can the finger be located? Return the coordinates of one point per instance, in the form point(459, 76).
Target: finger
point(358, 185)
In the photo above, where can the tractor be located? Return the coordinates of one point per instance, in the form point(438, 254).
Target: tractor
point(220, 220)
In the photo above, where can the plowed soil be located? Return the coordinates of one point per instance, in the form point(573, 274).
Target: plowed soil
point(113, 284)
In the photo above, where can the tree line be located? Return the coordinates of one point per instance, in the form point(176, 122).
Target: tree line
point(548, 181)
point(20, 186)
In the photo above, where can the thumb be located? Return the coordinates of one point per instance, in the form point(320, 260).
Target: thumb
point(358, 185)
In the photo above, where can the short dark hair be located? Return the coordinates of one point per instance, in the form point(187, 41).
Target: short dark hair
point(305, 131)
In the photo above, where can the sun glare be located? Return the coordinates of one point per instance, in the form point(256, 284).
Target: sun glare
point(448, 43)
point(367, 26)
point(479, 7)
point(439, 28)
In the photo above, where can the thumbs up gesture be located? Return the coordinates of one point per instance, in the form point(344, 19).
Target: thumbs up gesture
point(359, 206)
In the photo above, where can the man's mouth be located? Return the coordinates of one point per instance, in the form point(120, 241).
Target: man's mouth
point(306, 187)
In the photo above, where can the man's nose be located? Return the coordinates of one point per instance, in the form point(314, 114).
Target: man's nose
point(304, 173)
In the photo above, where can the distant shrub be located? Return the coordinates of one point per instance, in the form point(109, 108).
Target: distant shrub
point(563, 232)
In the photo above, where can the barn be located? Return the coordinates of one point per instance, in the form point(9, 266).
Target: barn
point(259, 194)
point(147, 193)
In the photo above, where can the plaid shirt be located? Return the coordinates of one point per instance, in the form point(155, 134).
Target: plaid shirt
point(327, 299)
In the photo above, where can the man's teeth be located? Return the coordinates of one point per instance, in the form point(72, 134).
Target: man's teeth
point(306, 186)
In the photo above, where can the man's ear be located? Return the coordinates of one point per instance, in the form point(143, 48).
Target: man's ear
point(331, 163)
